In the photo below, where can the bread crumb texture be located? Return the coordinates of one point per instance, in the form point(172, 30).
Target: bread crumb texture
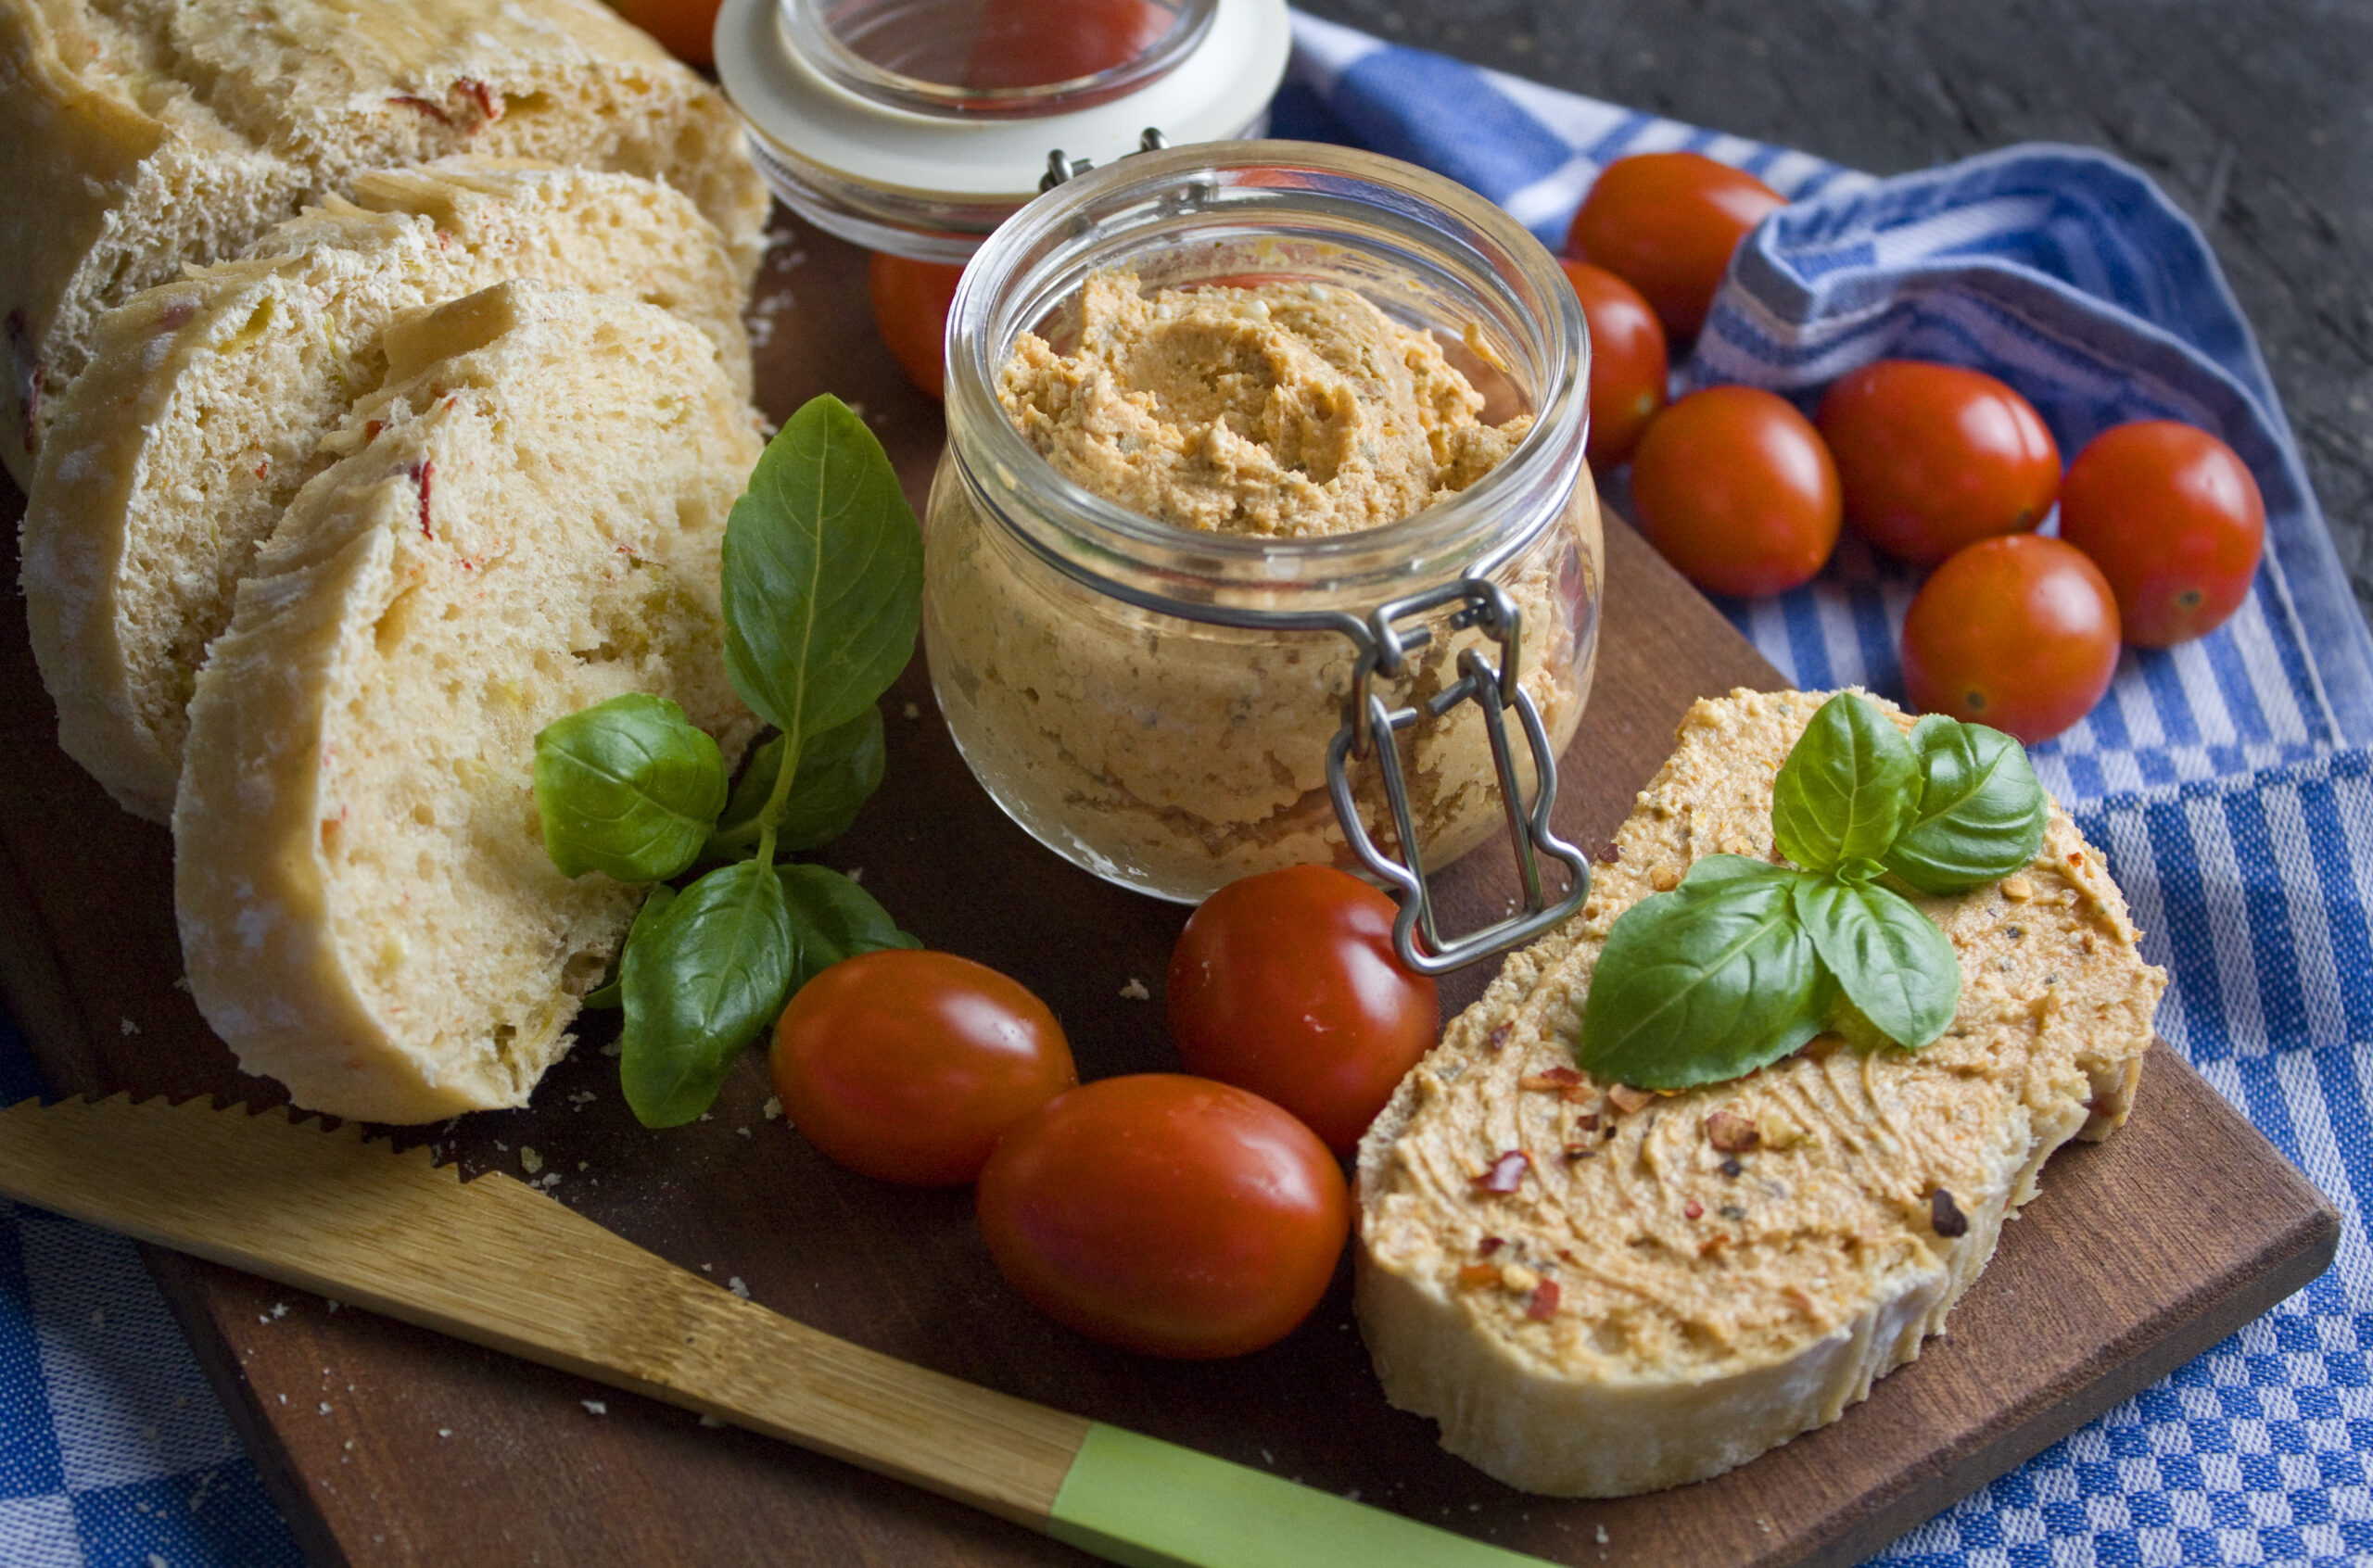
point(524, 521)
point(140, 136)
point(1673, 1283)
point(201, 412)
point(1284, 410)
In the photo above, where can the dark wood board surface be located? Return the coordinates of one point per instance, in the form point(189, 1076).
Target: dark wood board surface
point(387, 1445)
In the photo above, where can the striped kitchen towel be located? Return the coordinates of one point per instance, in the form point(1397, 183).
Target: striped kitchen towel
point(2228, 780)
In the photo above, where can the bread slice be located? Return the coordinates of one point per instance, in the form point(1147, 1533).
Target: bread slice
point(198, 416)
point(526, 520)
point(1673, 1288)
point(137, 137)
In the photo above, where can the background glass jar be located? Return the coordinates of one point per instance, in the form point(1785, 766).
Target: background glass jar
point(1072, 642)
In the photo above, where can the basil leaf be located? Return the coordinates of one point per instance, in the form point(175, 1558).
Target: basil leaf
point(1846, 787)
point(708, 975)
point(1706, 982)
point(839, 770)
point(610, 993)
point(629, 787)
point(822, 574)
point(1890, 959)
point(1981, 813)
point(834, 918)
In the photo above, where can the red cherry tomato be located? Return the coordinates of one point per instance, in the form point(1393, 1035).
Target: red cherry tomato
point(910, 301)
point(2018, 632)
point(2172, 519)
point(1628, 366)
point(909, 1065)
point(1666, 224)
point(1935, 457)
point(1166, 1214)
point(684, 28)
point(1286, 984)
point(1039, 43)
point(1736, 488)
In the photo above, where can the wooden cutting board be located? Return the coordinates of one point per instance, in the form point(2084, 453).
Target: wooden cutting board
point(386, 1444)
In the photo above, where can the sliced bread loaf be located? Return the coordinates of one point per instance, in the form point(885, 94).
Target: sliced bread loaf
point(1672, 1284)
point(137, 137)
point(198, 416)
point(526, 520)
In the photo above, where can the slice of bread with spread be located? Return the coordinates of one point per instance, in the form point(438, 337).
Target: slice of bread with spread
point(1674, 1283)
point(138, 136)
point(526, 520)
point(201, 411)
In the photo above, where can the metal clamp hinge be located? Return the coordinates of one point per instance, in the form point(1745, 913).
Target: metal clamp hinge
point(1369, 720)
point(1060, 169)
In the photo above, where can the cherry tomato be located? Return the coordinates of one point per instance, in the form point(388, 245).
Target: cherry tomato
point(1286, 984)
point(909, 1065)
point(2019, 631)
point(1166, 1214)
point(2172, 519)
point(1666, 224)
point(1736, 488)
point(910, 301)
point(1935, 457)
point(684, 28)
point(1628, 366)
point(1039, 43)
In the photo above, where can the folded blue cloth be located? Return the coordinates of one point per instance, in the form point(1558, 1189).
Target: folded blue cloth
point(2227, 779)
point(2224, 779)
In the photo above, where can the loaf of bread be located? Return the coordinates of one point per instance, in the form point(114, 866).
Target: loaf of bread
point(526, 520)
point(200, 411)
point(1674, 1283)
point(138, 136)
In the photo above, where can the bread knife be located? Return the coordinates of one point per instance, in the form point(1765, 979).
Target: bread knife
point(493, 1261)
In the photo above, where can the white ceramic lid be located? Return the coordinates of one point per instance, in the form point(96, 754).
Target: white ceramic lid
point(1222, 85)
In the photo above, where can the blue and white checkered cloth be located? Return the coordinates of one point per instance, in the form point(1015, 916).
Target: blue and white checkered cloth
point(2229, 780)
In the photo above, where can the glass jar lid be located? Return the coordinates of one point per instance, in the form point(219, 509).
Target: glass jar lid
point(918, 126)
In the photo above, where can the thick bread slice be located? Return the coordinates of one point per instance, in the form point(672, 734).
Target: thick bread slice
point(1659, 1301)
point(198, 416)
point(140, 135)
point(524, 521)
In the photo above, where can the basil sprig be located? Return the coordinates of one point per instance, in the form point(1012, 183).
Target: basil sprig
point(1745, 961)
point(822, 594)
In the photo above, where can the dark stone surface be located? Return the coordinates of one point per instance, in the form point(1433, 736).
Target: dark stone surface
point(2257, 116)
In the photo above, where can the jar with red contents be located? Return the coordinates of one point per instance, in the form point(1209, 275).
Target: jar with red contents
point(915, 127)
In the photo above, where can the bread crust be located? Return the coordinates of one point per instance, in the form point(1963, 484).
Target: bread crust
point(200, 413)
point(1703, 1310)
point(404, 956)
point(150, 135)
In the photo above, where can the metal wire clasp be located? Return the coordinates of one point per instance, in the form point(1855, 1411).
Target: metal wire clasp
point(1060, 169)
point(1384, 648)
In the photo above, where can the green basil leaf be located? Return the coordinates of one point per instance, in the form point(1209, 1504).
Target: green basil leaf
point(1890, 959)
point(710, 972)
point(823, 575)
point(610, 993)
point(839, 770)
point(1981, 813)
point(1706, 982)
point(834, 918)
point(1846, 787)
point(629, 787)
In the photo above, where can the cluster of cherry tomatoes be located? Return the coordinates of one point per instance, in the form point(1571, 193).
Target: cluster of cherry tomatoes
point(1191, 1214)
point(2161, 525)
